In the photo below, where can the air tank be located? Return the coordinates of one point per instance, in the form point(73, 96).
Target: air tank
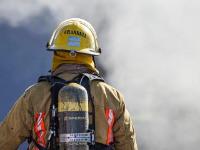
point(73, 120)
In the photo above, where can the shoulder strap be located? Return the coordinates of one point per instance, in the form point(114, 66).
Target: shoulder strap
point(53, 130)
point(51, 79)
point(85, 81)
point(92, 77)
point(30, 139)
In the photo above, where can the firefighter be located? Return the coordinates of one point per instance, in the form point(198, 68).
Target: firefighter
point(33, 117)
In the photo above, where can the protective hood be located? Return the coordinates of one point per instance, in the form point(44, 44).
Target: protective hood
point(60, 58)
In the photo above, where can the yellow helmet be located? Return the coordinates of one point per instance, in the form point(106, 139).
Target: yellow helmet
point(76, 36)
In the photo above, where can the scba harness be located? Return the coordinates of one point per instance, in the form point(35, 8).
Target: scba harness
point(70, 125)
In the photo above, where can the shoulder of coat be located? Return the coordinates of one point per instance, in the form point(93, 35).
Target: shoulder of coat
point(30, 87)
point(107, 88)
point(36, 86)
point(105, 85)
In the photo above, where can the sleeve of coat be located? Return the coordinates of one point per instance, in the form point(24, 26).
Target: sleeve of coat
point(16, 126)
point(123, 130)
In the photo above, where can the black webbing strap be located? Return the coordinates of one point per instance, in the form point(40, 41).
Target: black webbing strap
point(30, 139)
point(55, 87)
point(86, 80)
point(51, 79)
point(86, 83)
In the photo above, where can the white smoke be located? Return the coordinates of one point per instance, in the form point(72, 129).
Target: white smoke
point(151, 53)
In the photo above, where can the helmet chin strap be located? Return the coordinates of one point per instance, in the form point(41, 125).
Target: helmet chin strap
point(95, 65)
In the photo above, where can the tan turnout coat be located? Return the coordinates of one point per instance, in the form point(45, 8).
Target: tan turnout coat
point(20, 121)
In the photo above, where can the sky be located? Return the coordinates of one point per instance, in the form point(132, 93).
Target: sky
point(150, 53)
